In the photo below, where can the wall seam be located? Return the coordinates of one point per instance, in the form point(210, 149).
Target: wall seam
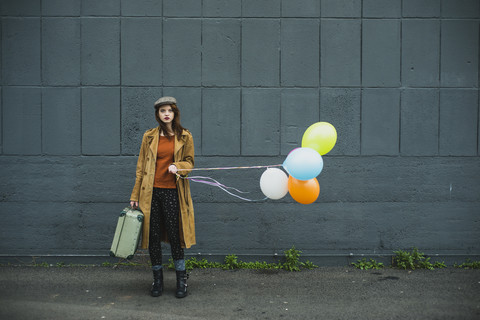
point(241, 82)
point(201, 79)
point(41, 80)
point(401, 83)
point(120, 80)
point(439, 120)
point(2, 133)
point(478, 91)
point(81, 77)
point(280, 84)
point(361, 80)
point(320, 80)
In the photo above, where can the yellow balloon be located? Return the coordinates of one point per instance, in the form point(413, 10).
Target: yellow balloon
point(320, 136)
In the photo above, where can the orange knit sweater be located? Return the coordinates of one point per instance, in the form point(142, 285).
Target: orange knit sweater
point(164, 179)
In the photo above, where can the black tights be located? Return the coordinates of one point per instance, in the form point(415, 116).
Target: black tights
point(164, 211)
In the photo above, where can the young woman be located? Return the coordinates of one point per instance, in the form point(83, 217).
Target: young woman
point(163, 197)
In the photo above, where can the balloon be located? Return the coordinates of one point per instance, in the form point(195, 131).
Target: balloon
point(304, 192)
point(320, 136)
point(274, 183)
point(303, 163)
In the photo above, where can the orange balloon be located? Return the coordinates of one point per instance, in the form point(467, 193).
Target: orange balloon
point(304, 192)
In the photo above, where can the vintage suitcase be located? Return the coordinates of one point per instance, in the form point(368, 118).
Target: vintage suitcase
point(127, 234)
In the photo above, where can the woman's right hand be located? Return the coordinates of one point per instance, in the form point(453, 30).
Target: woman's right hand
point(134, 204)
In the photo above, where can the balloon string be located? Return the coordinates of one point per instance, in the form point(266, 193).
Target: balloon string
point(232, 168)
point(215, 183)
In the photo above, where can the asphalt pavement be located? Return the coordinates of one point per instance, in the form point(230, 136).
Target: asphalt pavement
point(323, 293)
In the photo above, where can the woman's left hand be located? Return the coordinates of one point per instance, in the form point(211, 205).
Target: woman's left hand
point(172, 169)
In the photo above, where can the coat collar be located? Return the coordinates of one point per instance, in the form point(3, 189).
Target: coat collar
point(153, 136)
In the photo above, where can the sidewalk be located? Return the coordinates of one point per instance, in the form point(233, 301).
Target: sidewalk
point(323, 293)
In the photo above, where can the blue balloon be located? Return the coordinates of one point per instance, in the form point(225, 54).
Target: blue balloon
point(303, 163)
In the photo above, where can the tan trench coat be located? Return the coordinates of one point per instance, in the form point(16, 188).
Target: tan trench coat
point(143, 189)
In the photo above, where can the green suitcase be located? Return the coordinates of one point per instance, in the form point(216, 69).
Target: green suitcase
point(127, 233)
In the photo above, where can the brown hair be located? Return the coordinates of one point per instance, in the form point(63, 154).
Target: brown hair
point(176, 126)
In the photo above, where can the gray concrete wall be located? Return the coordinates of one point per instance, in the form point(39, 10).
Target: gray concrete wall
point(398, 79)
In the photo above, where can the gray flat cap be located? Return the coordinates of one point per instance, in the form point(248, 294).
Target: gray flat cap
point(165, 100)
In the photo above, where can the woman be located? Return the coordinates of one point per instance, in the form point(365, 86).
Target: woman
point(162, 196)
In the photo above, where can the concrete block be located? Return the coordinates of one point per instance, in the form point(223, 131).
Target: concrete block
point(300, 52)
point(100, 121)
point(141, 51)
point(61, 118)
point(182, 52)
point(182, 8)
point(332, 228)
point(231, 225)
point(419, 122)
point(222, 8)
point(381, 53)
point(335, 227)
point(458, 122)
point(100, 51)
point(189, 101)
point(61, 51)
point(221, 134)
point(23, 8)
point(293, 121)
point(61, 8)
point(142, 8)
point(382, 8)
point(340, 52)
point(101, 8)
point(400, 179)
point(21, 51)
point(380, 122)
point(369, 179)
point(260, 122)
point(1, 123)
point(260, 67)
point(301, 8)
point(42, 237)
point(94, 233)
point(22, 120)
point(460, 9)
point(341, 108)
point(1, 50)
point(421, 9)
point(266, 8)
point(420, 53)
point(78, 179)
point(341, 8)
point(459, 59)
point(221, 52)
point(78, 228)
point(138, 115)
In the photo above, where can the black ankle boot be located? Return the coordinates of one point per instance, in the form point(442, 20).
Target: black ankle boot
point(157, 285)
point(182, 277)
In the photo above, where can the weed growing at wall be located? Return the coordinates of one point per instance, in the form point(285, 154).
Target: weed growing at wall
point(468, 265)
point(231, 262)
point(363, 264)
point(414, 260)
point(410, 260)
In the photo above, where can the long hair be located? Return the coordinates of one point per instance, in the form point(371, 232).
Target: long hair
point(176, 126)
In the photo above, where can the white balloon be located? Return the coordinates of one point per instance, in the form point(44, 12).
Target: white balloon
point(274, 183)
